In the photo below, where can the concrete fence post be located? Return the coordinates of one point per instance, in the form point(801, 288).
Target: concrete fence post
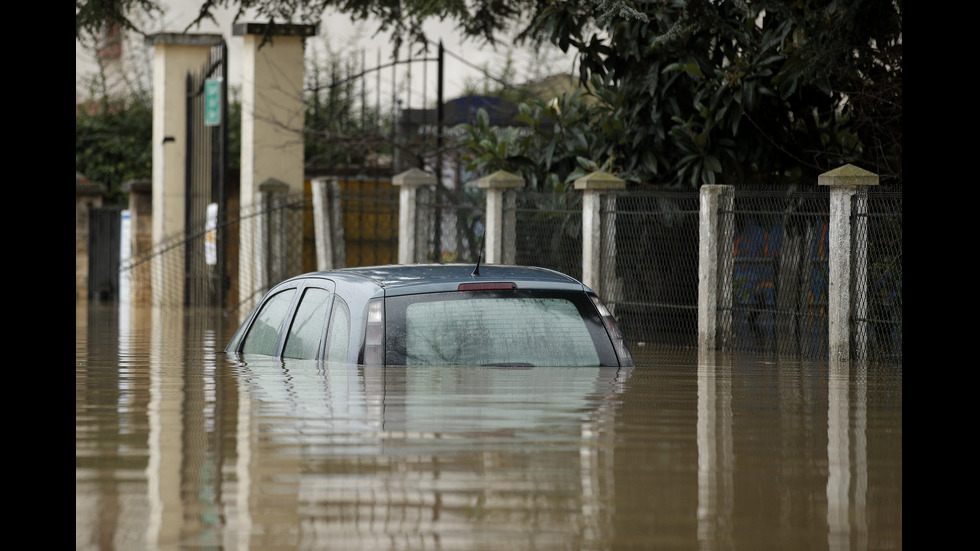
point(141, 212)
point(411, 240)
point(848, 261)
point(599, 234)
point(328, 227)
point(500, 238)
point(715, 241)
point(273, 254)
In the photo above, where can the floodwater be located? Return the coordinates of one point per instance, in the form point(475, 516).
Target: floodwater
point(177, 447)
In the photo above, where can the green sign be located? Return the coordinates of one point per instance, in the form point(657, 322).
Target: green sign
point(212, 102)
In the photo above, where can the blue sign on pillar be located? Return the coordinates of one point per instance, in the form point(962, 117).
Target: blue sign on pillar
point(212, 102)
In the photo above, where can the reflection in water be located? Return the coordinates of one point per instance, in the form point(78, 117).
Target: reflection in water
point(177, 447)
point(715, 459)
point(846, 426)
point(431, 456)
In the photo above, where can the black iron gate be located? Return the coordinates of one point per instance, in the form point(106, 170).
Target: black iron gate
point(103, 250)
point(207, 169)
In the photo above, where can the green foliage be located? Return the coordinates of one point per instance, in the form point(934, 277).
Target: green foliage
point(690, 92)
point(112, 145)
point(734, 92)
point(558, 141)
point(705, 91)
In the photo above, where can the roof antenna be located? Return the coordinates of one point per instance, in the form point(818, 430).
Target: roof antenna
point(479, 257)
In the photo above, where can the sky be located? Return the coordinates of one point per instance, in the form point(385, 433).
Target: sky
point(465, 60)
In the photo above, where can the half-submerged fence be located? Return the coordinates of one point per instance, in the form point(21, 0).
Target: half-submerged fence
point(768, 254)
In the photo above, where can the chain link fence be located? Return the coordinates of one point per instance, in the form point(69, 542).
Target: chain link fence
point(883, 322)
point(780, 266)
point(779, 259)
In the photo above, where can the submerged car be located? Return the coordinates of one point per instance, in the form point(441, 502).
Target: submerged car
point(434, 314)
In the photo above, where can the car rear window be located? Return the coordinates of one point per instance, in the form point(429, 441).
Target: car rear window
point(495, 328)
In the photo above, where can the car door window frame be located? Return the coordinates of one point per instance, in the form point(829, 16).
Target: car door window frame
point(299, 288)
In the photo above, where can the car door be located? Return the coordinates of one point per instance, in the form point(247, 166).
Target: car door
point(304, 336)
point(291, 321)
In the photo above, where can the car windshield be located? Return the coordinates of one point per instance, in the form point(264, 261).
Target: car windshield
point(516, 328)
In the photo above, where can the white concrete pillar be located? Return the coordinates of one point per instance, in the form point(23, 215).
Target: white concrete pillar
point(714, 266)
point(327, 224)
point(272, 128)
point(599, 233)
point(501, 220)
point(174, 55)
point(411, 243)
point(845, 299)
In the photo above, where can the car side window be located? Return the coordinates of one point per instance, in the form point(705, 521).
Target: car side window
point(262, 337)
point(303, 340)
point(338, 333)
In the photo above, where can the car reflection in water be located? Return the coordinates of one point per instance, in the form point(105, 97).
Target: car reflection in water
point(455, 457)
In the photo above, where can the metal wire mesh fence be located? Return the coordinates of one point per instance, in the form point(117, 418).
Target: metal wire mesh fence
point(549, 231)
point(657, 265)
point(779, 259)
point(780, 271)
point(454, 223)
point(880, 331)
point(183, 271)
point(780, 266)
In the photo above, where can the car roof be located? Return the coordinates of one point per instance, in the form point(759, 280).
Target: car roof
point(401, 279)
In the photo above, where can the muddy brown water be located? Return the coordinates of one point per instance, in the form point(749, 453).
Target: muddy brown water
point(178, 447)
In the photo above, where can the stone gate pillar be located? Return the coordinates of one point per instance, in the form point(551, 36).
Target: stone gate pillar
point(272, 132)
point(174, 55)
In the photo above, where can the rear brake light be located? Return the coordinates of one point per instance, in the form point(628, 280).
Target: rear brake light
point(498, 286)
point(619, 342)
point(374, 334)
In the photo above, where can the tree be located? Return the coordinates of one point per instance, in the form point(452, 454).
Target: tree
point(112, 145)
point(706, 91)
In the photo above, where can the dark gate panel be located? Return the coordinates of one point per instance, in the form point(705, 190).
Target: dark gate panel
point(207, 138)
point(103, 251)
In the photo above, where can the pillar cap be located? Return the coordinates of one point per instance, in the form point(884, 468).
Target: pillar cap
point(272, 185)
point(137, 186)
point(274, 29)
point(413, 177)
point(600, 180)
point(89, 188)
point(848, 175)
point(183, 39)
point(500, 179)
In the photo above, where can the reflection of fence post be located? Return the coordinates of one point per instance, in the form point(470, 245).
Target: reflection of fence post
point(599, 234)
point(847, 289)
point(412, 242)
point(500, 236)
point(715, 241)
point(327, 224)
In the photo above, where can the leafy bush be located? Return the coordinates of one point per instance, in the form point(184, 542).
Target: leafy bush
point(113, 144)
